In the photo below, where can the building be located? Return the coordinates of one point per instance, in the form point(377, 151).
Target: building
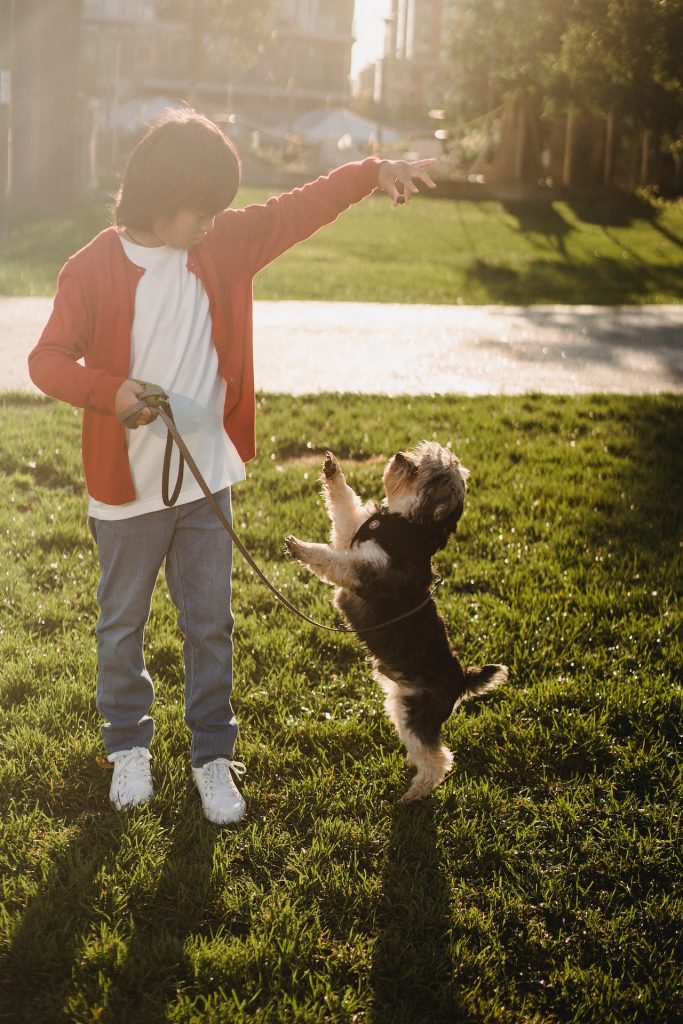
point(411, 77)
point(309, 57)
point(77, 76)
point(302, 61)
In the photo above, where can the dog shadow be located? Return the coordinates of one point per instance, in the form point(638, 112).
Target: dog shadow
point(413, 978)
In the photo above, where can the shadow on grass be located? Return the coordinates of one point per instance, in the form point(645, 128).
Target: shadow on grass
point(610, 209)
point(146, 984)
point(639, 506)
point(42, 955)
point(540, 218)
point(604, 280)
point(92, 946)
point(614, 211)
point(412, 975)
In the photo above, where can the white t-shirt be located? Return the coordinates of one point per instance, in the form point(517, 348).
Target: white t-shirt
point(171, 345)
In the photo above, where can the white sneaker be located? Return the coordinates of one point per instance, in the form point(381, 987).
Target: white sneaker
point(132, 781)
point(222, 802)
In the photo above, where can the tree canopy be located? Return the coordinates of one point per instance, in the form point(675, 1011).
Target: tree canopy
point(623, 57)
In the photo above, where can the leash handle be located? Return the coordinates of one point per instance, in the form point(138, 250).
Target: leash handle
point(155, 398)
point(151, 398)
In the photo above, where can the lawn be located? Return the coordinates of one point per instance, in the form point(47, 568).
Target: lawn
point(542, 881)
point(603, 250)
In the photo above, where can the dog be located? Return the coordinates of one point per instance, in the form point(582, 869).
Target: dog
point(379, 558)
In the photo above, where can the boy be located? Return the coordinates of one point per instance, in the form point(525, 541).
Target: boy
point(165, 295)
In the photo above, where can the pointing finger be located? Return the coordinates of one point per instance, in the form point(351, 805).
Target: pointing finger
point(423, 176)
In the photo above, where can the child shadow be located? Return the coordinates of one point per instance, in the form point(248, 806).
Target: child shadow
point(45, 945)
point(413, 977)
point(144, 985)
point(88, 939)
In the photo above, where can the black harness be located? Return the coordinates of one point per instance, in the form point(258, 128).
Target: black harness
point(403, 539)
point(400, 538)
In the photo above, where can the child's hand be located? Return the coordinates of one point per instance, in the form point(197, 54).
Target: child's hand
point(400, 172)
point(126, 396)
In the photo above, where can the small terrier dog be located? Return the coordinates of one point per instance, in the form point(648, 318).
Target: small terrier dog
point(379, 558)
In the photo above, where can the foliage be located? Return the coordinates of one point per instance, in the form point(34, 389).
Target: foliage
point(598, 55)
point(504, 47)
point(542, 881)
point(624, 56)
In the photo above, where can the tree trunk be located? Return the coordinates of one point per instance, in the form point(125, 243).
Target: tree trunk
point(608, 168)
point(520, 140)
point(645, 157)
point(678, 171)
point(568, 163)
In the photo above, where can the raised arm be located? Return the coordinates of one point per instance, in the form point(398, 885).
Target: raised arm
point(264, 232)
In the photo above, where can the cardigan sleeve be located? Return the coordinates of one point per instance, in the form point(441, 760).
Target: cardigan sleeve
point(54, 365)
point(266, 231)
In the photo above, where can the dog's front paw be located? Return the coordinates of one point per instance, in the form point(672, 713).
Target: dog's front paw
point(331, 467)
point(293, 547)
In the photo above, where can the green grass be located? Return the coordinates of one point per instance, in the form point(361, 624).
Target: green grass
point(542, 881)
point(609, 250)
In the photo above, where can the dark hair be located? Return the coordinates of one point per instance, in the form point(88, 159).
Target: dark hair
point(184, 162)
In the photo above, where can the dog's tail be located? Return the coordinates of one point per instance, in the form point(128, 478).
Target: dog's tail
point(483, 680)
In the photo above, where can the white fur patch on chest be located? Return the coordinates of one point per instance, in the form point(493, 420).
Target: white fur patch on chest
point(369, 552)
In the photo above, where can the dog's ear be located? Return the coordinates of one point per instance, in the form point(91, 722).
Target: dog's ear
point(438, 521)
point(446, 510)
point(444, 494)
point(446, 515)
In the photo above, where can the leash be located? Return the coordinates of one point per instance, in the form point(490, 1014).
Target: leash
point(156, 399)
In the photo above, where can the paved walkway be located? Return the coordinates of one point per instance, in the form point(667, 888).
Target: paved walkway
point(303, 347)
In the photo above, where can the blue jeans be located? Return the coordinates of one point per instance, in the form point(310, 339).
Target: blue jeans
point(198, 555)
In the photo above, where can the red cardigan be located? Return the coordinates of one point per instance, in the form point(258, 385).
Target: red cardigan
point(93, 315)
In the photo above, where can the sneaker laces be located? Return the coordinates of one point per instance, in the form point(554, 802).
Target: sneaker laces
point(218, 772)
point(132, 764)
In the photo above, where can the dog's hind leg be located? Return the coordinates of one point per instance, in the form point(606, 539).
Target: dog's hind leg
point(346, 510)
point(417, 716)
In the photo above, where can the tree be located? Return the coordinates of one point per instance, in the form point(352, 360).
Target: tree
point(626, 55)
point(614, 58)
point(505, 48)
point(505, 53)
point(623, 60)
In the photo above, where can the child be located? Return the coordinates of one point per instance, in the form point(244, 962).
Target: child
point(165, 296)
